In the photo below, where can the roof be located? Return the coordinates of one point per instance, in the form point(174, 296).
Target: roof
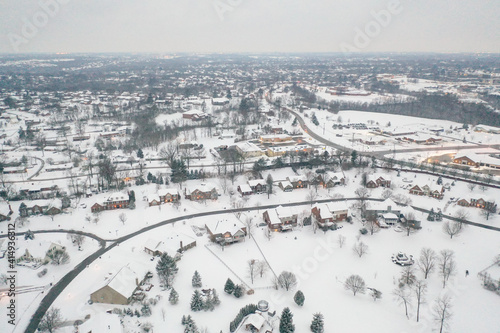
point(248, 147)
point(390, 216)
point(203, 187)
point(377, 205)
point(124, 282)
point(286, 183)
point(245, 188)
point(255, 182)
point(102, 322)
point(164, 192)
point(117, 197)
point(223, 226)
point(273, 216)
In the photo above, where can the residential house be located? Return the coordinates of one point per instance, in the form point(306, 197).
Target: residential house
point(258, 185)
point(280, 218)
point(115, 201)
point(477, 160)
point(203, 191)
point(163, 196)
point(120, 288)
point(299, 181)
point(374, 181)
point(427, 191)
point(416, 190)
point(226, 232)
point(377, 208)
point(245, 189)
point(173, 245)
point(326, 214)
point(286, 186)
point(479, 203)
point(46, 207)
point(330, 179)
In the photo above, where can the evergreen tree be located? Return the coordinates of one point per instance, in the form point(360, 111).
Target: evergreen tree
point(166, 269)
point(196, 280)
point(146, 310)
point(354, 157)
point(208, 304)
point(196, 301)
point(140, 154)
point(317, 324)
point(190, 326)
point(238, 291)
point(229, 287)
point(286, 321)
point(299, 298)
point(216, 299)
point(173, 298)
point(179, 171)
point(184, 320)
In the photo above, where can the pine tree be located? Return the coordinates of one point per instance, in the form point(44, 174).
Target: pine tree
point(196, 280)
point(208, 304)
point(173, 298)
point(166, 269)
point(286, 321)
point(238, 291)
point(229, 287)
point(216, 299)
point(196, 301)
point(184, 320)
point(299, 298)
point(190, 326)
point(317, 324)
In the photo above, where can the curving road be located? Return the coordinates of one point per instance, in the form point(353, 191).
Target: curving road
point(56, 290)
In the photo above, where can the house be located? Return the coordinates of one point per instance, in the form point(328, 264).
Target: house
point(374, 181)
point(169, 195)
point(226, 232)
point(326, 214)
point(153, 200)
point(37, 252)
point(408, 217)
point(331, 179)
point(280, 218)
point(389, 218)
point(377, 208)
point(194, 115)
point(477, 160)
point(479, 203)
point(5, 211)
point(46, 207)
point(286, 186)
point(416, 190)
point(202, 191)
point(275, 138)
point(298, 181)
point(171, 244)
point(120, 288)
point(258, 185)
point(115, 201)
point(245, 189)
point(261, 321)
point(248, 149)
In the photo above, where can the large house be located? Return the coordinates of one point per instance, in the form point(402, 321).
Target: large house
point(46, 207)
point(114, 201)
point(164, 195)
point(374, 181)
point(202, 191)
point(330, 179)
point(258, 185)
point(479, 203)
point(171, 245)
point(327, 214)
point(377, 208)
point(120, 288)
point(280, 218)
point(299, 181)
point(476, 160)
point(226, 232)
point(426, 190)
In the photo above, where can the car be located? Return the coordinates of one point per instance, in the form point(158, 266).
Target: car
point(83, 205)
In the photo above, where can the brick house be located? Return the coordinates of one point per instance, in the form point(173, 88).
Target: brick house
point(114, 201)
point(326, 214)
point(280, 219)
point(201, 192)
point(258, 185)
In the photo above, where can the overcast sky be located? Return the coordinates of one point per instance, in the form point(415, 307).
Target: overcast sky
point(249, 26)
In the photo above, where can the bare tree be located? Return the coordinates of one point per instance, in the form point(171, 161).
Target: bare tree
point(471, 186)
point(169, 152)
point(362, 194)
point(78, 240)
point(404, 297)
point(427, 261)
point(262, 268)
point(442, 312)
point(447, 265)
point(341, 240)
point(249, 225)
point(387, 193)
point(252, 268)
point(360, 249)
point(452, 228)
point(487, 213)
point(287, 280)
point(51, 321)
point(372, 226)
point(419, 288)
point(123, 218)
point(407, 276)
point(311, 195)
point(356, 284)
point(223, 181)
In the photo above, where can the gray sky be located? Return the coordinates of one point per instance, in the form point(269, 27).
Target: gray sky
point(249, 26)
